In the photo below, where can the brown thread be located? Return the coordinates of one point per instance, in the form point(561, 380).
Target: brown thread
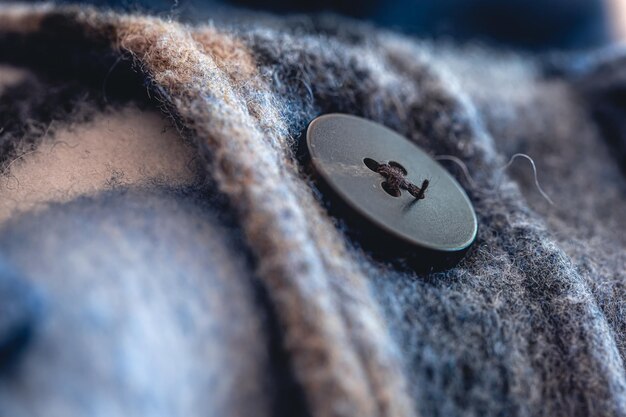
point(395, 176)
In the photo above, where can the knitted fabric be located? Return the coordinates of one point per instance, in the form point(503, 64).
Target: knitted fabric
point(530, 323)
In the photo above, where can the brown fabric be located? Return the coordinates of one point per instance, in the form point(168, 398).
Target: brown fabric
point(336, 346)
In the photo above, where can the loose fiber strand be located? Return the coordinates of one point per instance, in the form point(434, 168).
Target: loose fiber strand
point(473, 185)
point(462, 165)
point(532, 163)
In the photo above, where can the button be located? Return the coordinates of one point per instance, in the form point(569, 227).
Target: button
point(396, 196)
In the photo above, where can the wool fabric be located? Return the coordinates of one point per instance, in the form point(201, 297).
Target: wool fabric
point(529, 323)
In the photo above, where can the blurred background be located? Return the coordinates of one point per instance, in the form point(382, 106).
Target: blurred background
point(529, 24)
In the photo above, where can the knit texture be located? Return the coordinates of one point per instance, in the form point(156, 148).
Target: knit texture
point(530, 323)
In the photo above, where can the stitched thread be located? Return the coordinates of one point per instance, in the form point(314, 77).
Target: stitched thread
point(395, 176)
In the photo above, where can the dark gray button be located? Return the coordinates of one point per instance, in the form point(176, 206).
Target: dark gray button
point(400, 191)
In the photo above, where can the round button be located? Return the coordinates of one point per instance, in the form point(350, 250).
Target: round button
point(400, 192)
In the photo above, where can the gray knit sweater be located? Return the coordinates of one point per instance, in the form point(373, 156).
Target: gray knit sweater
point(236, 293)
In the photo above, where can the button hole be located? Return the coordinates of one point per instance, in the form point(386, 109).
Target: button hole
point(371, 164)
point(394, 192)
point(400, 167)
